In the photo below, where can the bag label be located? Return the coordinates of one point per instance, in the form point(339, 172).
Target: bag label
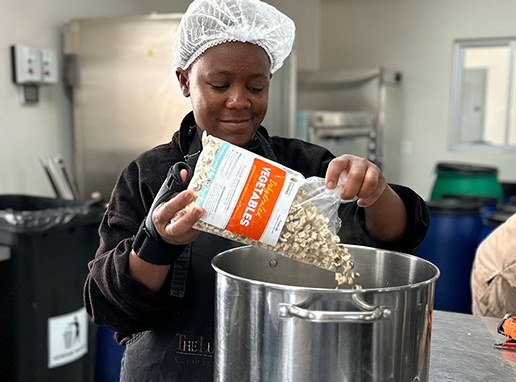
point(248, 195)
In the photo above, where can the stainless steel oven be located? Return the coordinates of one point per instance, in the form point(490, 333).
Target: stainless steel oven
point(345, 132)
point(354, 111)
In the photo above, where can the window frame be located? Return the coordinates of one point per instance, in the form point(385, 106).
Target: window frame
point(459, 48)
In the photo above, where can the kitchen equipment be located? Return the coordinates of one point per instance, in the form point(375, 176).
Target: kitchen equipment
point(354, 111)
point(507, 327)
point(63, 185)
point(277, 319)
point(462, 349)
point(345, 132)
point(126, 97)
point(507, 345)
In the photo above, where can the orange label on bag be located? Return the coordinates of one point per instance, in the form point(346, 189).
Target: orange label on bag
point(257, 200)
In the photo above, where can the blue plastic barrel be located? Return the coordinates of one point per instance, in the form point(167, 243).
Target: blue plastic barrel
point(450, 244)
point(489, 203)
point(509, 208)
point(493, 220)
point(509, 191)
point(108, 357)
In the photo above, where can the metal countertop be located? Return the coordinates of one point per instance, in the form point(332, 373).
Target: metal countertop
point(462, 350)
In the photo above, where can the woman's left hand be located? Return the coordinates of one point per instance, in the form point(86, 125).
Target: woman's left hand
point(365, 179)
point(386, 216)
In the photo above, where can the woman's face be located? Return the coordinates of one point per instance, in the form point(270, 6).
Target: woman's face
point(228, 86)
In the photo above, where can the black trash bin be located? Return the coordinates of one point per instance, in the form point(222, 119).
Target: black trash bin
point(45, 246)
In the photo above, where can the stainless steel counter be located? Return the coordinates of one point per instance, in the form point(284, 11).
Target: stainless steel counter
point(462, 350)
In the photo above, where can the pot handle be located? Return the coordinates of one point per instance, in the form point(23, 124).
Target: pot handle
point(370, 316)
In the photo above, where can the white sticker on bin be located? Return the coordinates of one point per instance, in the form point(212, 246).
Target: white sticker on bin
point(246, 195)
point(67, 338)
point(5, 253)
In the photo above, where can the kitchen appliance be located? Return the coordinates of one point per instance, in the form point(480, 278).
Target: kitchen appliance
point(62, 184)
point(353, 111)
point(345, 132)
point(277, 319)
point(126, 98)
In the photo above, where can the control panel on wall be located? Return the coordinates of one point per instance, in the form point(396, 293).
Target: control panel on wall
point(31, 68)
point(49, 65)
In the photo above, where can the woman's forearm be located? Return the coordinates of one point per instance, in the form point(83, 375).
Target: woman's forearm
point(151, 275)
point(386, 219)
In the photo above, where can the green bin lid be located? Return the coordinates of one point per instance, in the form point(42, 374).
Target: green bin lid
point(472, 198)
point(454, 206)
point(467, 168)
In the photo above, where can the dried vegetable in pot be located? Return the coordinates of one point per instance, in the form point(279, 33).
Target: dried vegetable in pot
point(252, 200)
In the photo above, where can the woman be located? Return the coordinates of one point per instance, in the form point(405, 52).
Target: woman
point(158, 296)
point(493, 277)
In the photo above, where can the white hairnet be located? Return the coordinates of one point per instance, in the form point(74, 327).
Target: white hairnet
point(207, 23)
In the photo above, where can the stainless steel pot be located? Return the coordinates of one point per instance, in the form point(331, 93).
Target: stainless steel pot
point(279, 320)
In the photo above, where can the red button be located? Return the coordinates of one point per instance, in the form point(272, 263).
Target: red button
point(30, 70)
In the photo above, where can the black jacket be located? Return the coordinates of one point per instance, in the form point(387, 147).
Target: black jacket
point(118, 302)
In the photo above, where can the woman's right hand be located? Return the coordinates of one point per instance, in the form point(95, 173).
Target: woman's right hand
point(179, 231)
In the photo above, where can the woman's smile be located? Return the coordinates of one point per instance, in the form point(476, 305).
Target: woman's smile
point(236, 123)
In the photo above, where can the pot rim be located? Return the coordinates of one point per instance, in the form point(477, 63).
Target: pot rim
point(328, 290)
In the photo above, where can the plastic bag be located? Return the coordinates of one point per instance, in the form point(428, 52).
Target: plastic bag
point(255, 201)
point(327, 201)
point(33, 214)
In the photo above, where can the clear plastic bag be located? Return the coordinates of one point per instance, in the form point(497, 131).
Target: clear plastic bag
point(326, 201)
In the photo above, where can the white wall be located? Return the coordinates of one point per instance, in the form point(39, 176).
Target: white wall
point(412, 36)
point(28, 132)
point(306, 15)
point(415, 37)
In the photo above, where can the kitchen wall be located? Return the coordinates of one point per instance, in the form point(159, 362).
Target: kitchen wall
point(412, 36)
point(29, 132)
point(415, 37)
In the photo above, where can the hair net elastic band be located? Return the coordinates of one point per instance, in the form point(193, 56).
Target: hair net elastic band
point(211, 44)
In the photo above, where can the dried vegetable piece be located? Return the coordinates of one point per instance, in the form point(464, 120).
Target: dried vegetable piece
point(305, 235)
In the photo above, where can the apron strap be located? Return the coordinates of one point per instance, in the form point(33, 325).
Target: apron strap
point(269, 153)
point(178, 284)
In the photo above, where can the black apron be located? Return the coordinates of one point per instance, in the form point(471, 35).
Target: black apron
point(182, 350)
